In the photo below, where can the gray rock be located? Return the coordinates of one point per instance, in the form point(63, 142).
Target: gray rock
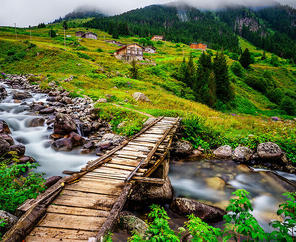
point(269, 150)
point(75, 138)
point(140, 97)
point(185, 206)
point(4, 146)
point(25, 159)
point(224, 151)
point(182, 147)
point(64, 124)
point(3, 93)
point(132, 223)
point(21, 95)
point(20, 149)
point(4, 128)
point(242, 153)
point(46, 110)
point(9, 220)
point(63, 144)
point(8, 138)
point(35, 122)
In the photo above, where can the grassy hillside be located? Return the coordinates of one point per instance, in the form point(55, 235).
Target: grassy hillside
point(96, 73)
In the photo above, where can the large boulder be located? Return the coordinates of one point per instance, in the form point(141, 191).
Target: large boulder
point(4, 146)
point(75, 138)
point(269, 150)
point(3, 93)
point(21, 95)
point(140, 97)
point(8, 219)
point(47, 110)
point(242, 153)
point(8, 138)
point(4, 128)
point(182, 147)
point(20, 149)
point(63, 144)
point(132, 223)
point(185, 206)
point(64, 124)
point(144, 195)
point(224, 151)
point(35, 122)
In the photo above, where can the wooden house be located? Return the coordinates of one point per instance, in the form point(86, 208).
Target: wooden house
point(80, 34)
point(157, 38)
point(130, 52)
point(91, 35)
point(150, 49)
point(198, 46)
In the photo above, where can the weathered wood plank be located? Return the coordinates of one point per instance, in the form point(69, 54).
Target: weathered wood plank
point(77, 211)
point(93, 176)
point(110, 170)
point(128, 157)
point(65, 221)
point(122, 161)
point(94, 201)
point(34, 239)
point(42, 233)
point(149, 180)
point(124, 167)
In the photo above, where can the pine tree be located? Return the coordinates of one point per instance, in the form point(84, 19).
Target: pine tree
point(245, 59)
point(134, 69)
point(65, 25)
point(115, 34)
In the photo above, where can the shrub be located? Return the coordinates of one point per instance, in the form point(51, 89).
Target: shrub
point(82, 55)
point(99, 50)
point(82, 48)
point(288, 104)
point(259, 84)
point(274, 60)
point(237, 69)
point(275, 95)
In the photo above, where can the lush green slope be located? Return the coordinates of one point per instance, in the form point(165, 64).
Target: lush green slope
point(97, 73)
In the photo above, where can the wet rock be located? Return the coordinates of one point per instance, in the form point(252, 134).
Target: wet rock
point(21, 95)
point(4, 128)
point(85, 151)
point(38, 107)
point(196, 153)
point(47, 110)
point(182, 147)
point(184, 206)
point(132, 223)
point(269, 150)
point(242, 153)
point(112, 138)
point(8, 219)
point(8, 138)
point(224, 151)
point(140, 97)
point(4, 146)
point(66, 100)
point(20, 149)
point(35, 122)
point(105, 145)
point(3, 93)
point(146, 194)
point(64, 124)
point(64, 144)
point(56, 136)
point(75, 138)
point(25, 159)
point(50, 181)
point(90, 145)
point(215, 183)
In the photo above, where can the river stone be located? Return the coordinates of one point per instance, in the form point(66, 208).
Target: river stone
point(21, 95)
point(63, 144)
point(145, 194)
point(105, 145)
point(3, 93)
point(242, 153)
point(9, 220)
point(8, 138)
point(140, 97)
point(185, 206)
point(66, 100)
point(64, 124)
point(132, 223)
point(182, 147)
point(46, 110)
point(25, 159)
point(20, 149)
point(224, 151)
point(4, 146)
point(215, 183)
point(4, 128)
point(75, 138)
point(35, 122)
point(269, 150)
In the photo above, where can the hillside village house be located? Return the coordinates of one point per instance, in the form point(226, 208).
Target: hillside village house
point(157, 38)
point(88, 35)
point(150, 49)
point(198, 46)
point(130, 52)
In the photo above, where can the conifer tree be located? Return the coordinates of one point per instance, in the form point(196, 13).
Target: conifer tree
point(245, 59)
point(65, 25)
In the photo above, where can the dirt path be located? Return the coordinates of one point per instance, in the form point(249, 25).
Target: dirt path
point(146, 114)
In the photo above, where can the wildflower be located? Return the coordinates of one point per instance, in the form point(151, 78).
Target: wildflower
point(233, 114)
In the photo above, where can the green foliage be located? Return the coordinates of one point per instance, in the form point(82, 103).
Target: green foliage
point(237, 69)
point(245, 59)
point(83, 48)
point(283, 229)
point(52, 33)
point(33, 79)
point(134, 70)
point(289, 105)
point(15, 188)
point(2, 224)
point(74, 94)
point(274, 60)
point(259, 84)
point(83, 55)
point(99, 50)
point(65, 25)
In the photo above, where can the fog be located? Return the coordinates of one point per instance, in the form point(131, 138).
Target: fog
point(32, 12)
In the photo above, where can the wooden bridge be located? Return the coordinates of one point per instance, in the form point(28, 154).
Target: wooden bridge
point(84, 206)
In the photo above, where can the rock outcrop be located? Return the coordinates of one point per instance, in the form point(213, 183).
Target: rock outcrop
point(269, 150)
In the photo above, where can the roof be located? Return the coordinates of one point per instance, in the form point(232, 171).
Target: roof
point(123, 47)
point(91, 33)
point(151, 47)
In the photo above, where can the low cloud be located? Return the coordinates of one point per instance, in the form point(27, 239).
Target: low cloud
point(32, 12)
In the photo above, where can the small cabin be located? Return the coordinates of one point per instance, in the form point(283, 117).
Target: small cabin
point(150, 49)
point(114, 42)
point(91, 35)
point(80, 34)
point(157, 38)
point(198, 46)
point(130, 52)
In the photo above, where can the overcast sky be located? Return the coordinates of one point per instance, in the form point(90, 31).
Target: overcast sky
point(32, 12)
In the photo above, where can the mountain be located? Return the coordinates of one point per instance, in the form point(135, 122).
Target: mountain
point(270, 28)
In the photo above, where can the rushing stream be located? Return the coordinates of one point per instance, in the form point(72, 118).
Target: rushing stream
point(36, 139)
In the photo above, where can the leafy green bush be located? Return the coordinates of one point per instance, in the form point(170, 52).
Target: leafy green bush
point(259, 84)
point(274, 60)
point(74, 94)
point(289, 105)
point(99, 50)
point(275, 95)
point(15, 189)
point(82, 48)
point(237, 69)
point(82, 55)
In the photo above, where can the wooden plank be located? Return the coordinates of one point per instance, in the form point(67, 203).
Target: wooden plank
point(124, 167)
point(128, 157)
point(60, 234)
point(136, 148)
point(77, 211)
point(141, 144)
point(149, 180)
point(97, 187)
point(110, 170)
point(124, 162)
point(34, 239)
point(129, 153)
point(94, 175)
point(91, 200)
point(65, 221)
